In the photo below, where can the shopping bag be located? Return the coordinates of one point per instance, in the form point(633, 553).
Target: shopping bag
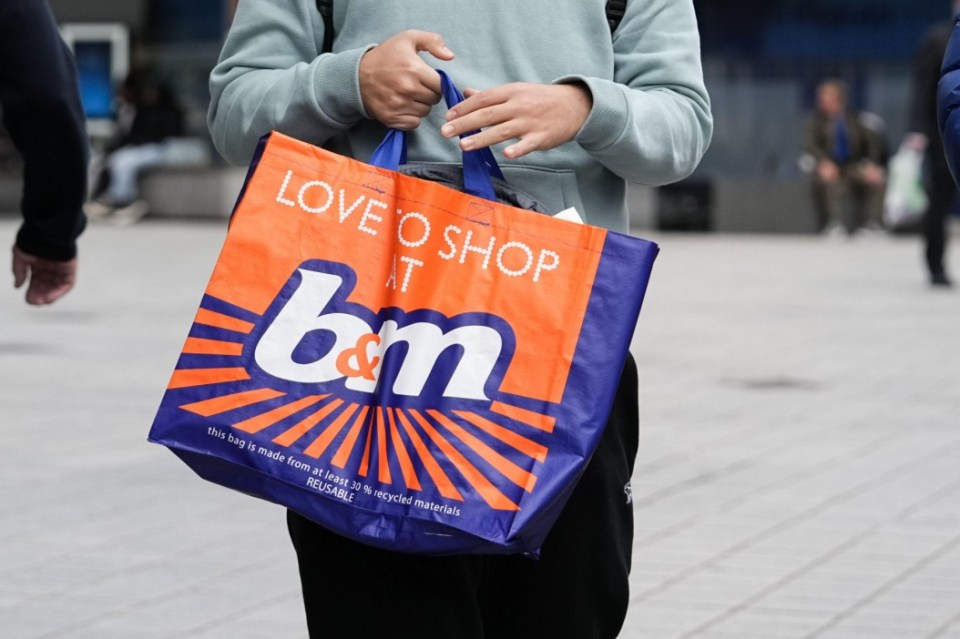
point(408, 365)
point(905, 200)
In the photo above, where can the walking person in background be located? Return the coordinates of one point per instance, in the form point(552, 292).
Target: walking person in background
point(925, 138)
point(44, 118)
point(847, 158)
point(582, 106)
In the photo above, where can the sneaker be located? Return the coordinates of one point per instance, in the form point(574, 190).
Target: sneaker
point(834, 232)
point(129, 213)
point(872, 231)
point(940, 280)
point(98, 210)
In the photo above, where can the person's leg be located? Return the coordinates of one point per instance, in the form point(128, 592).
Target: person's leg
point(865, 191)
point(941, 194)
point(856, 204)
point(353, 591)
point(126, 164)
point(579, 588)
point(826, 201)
point(868, 204)
point(185, 152)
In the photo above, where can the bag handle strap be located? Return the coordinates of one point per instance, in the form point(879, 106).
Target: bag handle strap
point(478, 165)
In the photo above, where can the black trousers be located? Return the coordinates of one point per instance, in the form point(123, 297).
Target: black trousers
point(578, 589)
point(941, 191)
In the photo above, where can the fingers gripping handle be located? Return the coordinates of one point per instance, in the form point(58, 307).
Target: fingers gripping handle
point(478, 166)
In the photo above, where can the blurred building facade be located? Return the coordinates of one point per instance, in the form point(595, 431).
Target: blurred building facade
point(179, 40)
point(762, 62)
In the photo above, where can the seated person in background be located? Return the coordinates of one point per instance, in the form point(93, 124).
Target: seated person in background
point(847, 156)
point(151, 125)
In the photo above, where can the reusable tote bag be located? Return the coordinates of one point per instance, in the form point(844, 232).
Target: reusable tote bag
point(413, 367)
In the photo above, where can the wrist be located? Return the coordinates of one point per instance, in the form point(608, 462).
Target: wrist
point(337, 85)
point(607, 116)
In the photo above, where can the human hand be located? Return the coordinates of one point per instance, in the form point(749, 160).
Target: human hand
point(538, 116)
point(397, 87)
point(872, 173)
point(916, 142)
point(828, 171)
point(49, 280)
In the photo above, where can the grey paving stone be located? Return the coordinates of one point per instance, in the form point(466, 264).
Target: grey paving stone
point(798, 475)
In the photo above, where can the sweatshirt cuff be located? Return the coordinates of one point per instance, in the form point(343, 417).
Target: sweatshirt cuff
point(336, 85)
point(608, 117)
point(33, 243)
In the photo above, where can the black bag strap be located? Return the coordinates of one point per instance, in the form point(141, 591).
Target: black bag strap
point(325, 7)
point(615, 11)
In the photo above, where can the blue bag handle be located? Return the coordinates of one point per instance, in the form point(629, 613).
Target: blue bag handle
point(478, 166)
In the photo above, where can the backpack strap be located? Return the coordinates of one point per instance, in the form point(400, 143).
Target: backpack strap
point(615, 11)
point(325, 7)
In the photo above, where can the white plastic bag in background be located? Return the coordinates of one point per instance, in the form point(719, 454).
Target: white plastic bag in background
point(905, 200)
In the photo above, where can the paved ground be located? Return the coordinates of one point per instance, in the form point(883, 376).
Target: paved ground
point(799, 473)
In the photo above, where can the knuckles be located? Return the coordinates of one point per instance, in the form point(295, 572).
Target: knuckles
point(406, 85)
point(395, 102)
point(480, 99)
point(406, 123)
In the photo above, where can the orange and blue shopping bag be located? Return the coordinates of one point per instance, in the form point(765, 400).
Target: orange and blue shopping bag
point(413, 367)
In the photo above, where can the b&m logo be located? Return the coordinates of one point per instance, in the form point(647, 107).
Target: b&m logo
point(312, 335)
point(402, 406)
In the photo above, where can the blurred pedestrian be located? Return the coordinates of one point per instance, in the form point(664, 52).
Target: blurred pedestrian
point(44, 118)
point(847, 160)
point(925, 138)
point(151, 135)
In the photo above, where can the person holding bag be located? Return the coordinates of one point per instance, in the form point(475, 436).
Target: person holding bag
point(580, 111)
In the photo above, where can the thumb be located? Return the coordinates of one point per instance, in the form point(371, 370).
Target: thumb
point(20, 268)
point(433, 44)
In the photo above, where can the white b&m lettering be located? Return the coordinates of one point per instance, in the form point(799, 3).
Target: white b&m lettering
point(414, 230)
point(426, 342)
point(305, 312)
point(301, 315)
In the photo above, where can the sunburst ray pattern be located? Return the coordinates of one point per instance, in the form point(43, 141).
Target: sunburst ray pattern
point(485, 451)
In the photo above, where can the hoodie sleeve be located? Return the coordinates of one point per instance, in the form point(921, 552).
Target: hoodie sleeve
point(651, 124)
point(271, 76)
point(45, 120)
point(948, 102)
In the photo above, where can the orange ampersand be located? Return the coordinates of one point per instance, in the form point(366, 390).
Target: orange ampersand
point(364, 363)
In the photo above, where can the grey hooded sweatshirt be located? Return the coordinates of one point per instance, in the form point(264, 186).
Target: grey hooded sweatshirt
point(650, 122)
